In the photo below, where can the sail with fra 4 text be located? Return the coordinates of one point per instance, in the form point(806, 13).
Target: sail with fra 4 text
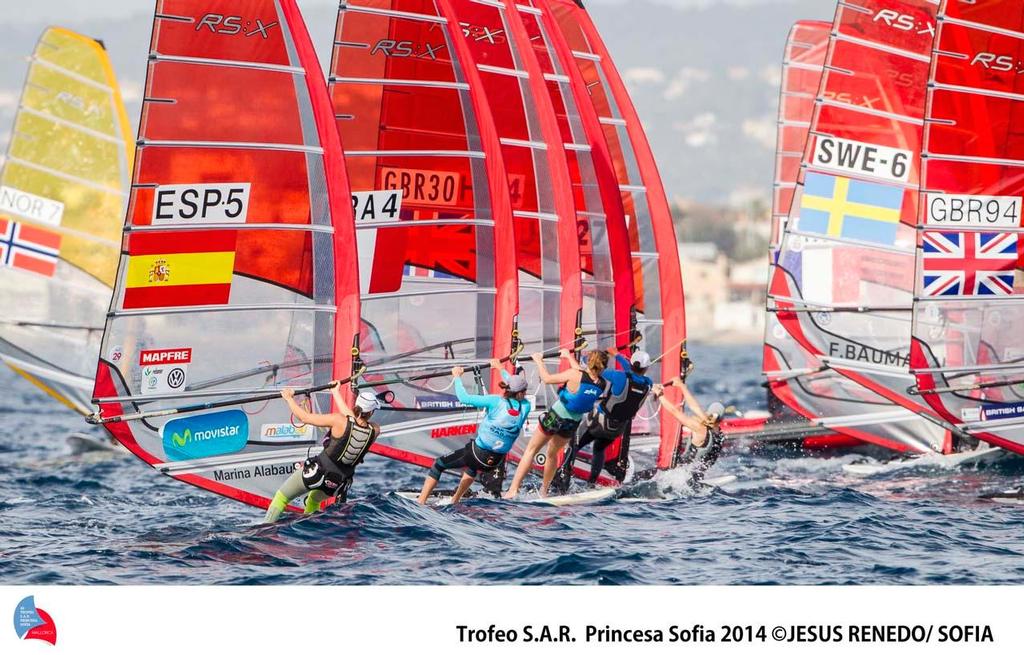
point(842, 287)
point(238, 275)
point(63, 189)
point(968, 351)
point(438, 265)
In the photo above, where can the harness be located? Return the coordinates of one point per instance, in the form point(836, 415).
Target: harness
point(703, 457)
point(332, 470)
point(617, 410)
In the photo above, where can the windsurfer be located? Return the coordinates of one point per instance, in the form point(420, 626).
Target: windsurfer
point(330, 473)
point(704, 445)
point(580, 390)
point(497, 433)
point(629, 388)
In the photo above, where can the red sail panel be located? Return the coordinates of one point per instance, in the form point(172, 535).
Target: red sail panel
point(654, 246)
point(802, 67)
point(604, 245)
point(551, 298)
point(967, 354)
point(236, 277)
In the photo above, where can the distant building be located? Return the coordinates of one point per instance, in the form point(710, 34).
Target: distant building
point(706, 283)
point(724, 301)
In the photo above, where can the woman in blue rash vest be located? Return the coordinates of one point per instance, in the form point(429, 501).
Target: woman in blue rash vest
point(628, 389)
point(330, 473)
point(702, 449)
point(580, 390)
point(497, 433)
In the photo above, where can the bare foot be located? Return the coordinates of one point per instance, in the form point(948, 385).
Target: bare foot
point(510, 494)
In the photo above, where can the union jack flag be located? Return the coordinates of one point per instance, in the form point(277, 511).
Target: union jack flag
point(969, 264)
point(28, 248)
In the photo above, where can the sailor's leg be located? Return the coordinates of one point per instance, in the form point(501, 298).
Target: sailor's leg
point(314, 500)
point(441, 464)
point(292, 488)
point(537, 442)
point(555, 447)
point(464, 485)
point(597, 459)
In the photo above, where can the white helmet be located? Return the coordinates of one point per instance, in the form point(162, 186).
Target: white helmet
point(516, 383)
point(641, 360)
point(367, 402)
point(716, 410)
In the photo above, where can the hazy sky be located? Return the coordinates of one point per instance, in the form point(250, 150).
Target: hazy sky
point(73, 10)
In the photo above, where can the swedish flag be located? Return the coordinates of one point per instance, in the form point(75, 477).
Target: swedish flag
point(842, 208)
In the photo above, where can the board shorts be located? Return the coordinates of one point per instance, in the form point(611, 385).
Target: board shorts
point(321, 474)
point(471, 457)
point(554, 425)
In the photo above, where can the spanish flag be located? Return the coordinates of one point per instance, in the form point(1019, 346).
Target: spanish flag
point(179, 269)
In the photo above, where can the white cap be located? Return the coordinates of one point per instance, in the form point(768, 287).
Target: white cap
point(367, 402)
point(516, 383)
point(641, 359)
point(716, 408)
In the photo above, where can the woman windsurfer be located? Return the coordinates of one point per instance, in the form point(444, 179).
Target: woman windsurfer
point(580, 391)
point(495, 436)
point(330, 473)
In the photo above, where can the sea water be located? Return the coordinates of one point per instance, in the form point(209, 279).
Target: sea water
point(788, 519)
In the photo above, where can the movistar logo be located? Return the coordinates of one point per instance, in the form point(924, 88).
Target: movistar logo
point(206, 435)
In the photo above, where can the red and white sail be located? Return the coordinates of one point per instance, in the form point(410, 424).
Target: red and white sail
point(657, 278)
point(968, 352)
point(237, 273)
point(842, 286)
point(802, 66)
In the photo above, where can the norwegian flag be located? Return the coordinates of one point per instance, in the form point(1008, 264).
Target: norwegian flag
point(28, 248)
point(969, 264)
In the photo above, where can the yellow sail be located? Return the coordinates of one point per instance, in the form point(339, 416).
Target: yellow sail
point(63, 191)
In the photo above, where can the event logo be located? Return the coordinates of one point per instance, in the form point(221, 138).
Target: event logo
point(31, 622)
point(208, 435)
point(285, 432)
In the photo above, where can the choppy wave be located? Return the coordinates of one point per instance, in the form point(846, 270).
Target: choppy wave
point(99, 519)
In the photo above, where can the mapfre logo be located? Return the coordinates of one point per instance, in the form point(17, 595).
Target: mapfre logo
point(31, 622)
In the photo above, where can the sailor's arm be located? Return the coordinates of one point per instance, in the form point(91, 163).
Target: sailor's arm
point(339, 400)
point(466, 398)
point(562, 377)
point(690, 400)
point(307, 417)
point(686, 421)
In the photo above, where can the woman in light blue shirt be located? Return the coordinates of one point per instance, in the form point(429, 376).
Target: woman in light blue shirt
point(497, 433)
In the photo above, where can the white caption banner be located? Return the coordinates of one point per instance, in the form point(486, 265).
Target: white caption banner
point(956, 210)
point(30, 206)
point(862, 159)
point(191, 204)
